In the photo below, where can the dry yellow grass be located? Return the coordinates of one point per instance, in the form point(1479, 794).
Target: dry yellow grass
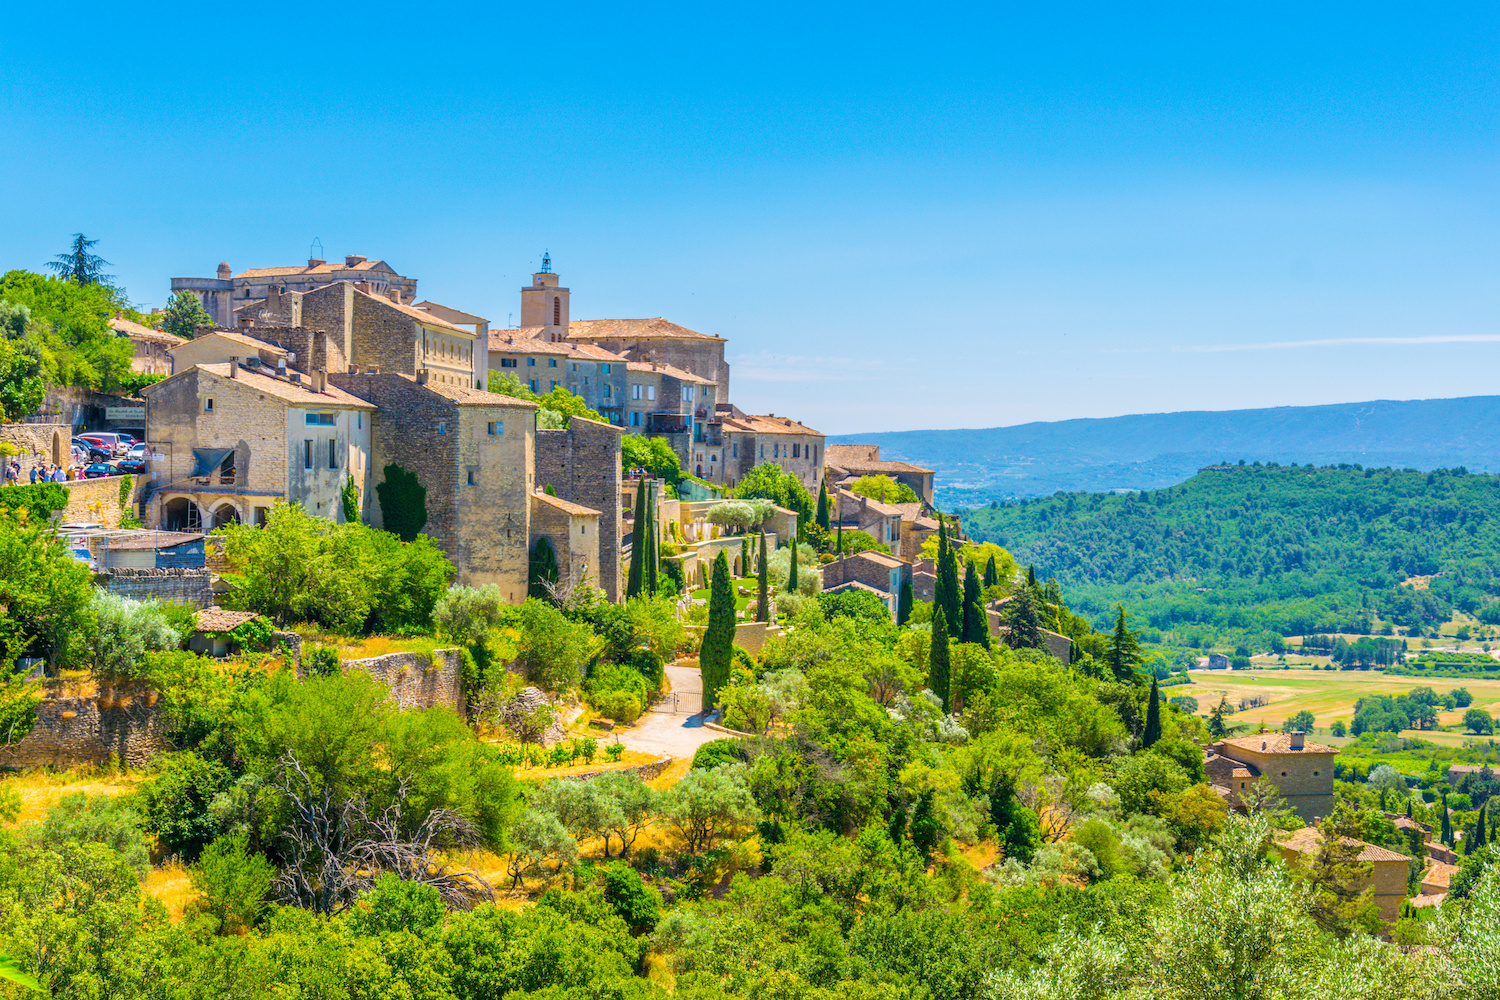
point(630, 758)
point(672, 775)
point(170, 885)
point(41, 790)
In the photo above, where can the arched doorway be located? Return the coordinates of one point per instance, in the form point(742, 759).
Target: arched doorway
point(226, 515)
point(57, 453)
point(181, 514)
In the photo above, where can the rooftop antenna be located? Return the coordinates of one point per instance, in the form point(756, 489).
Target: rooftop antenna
point(315, 251)
point(546, 263)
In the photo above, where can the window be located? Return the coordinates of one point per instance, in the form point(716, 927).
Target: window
point(604, 368)
point(796, 451)
point(762, 451)
point(551, 362)
point(442, 428)
point(319, 420)
point(359, 421)
point(307, 454)
point(531, 362)
point(557, 310)
point(495, 428)
point(471, 477)
point(735, 448)
point(1283, 774)
point(507, 362)
point(635, 391)
point(1315, 774)
point(575, 366)
point(533, 385)
point(208, 406)
point(606, 390)
point(687, 393)
point(635, 419)
point(650, 392)
point(333, 453)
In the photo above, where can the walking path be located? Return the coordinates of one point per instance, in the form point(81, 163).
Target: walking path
point(675, 726)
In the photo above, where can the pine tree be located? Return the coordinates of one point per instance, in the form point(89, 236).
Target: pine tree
point(976, 622)
point(1479, 831)
point(763, 602)
point(638, 543)
point(822, 516)
point(1153, 717)
point(717, 652)
point(79, 264)
point(903, 603)
point(1123, 653)
point(1031, 577)
point(791, 576)
point(1023, 621)
point(939, 667)
point(991, 574)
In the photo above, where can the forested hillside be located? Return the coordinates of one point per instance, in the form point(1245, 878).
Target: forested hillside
point(1252, 549)
point(1152, 450)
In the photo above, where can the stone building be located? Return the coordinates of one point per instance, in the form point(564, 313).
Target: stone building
point(656, 341)
point(582, 465)
point(664, 401)
point(245, 294)
point(381, 332)
point(573, 532)
point(876, 572)
point(542, 365)
point(750, 440)
point(151, 346)
point(1302, 772)
point(856, 460)
point(856, 512)
point(474, 453)
point(228, 441)
point(1388, 870)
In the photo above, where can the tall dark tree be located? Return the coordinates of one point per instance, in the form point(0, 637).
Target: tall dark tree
point(763, 601)
point(650, 572)
point(1123, 652)
point(403, 502)
point(976, 622)
point(79, 264)
point(841, 536)
point(1023, 620)
point(991, 574)
point(903, 603)
point(1153, 717)
point(636, 576)
point(822, 516)
point(1446, 833)
point(1477, 842)
point(939, 663)
point(717, 652)
point(947, 581)
point(184, 314)
point(791, 576)
point(542, 569)
point(1031, 577)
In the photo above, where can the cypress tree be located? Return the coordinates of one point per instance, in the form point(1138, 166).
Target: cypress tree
point(717, 651)
point(903, 603)
point(1153, 716)
point(637, 544)
point(791, 576)
point(1479, 831)
point(763, 602)
point(1446, 834)
point(841, 534)
point(952, 590)
point(543, 569)
point(1031, 577)
point(650, 576)
point(939, 599)
point(939, 667)
point(975, 628)
point(745, 556)
point(991, 574)
point(822, 516)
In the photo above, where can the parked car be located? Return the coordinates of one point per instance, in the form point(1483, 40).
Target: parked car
point(137, 452)
point(108, 440)
point(101, 469)
point(91, 451)
point(131, 466)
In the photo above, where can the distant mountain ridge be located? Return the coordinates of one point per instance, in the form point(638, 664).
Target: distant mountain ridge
point(1153, 450)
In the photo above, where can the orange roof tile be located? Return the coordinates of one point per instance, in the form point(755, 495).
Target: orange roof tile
point(632, 329)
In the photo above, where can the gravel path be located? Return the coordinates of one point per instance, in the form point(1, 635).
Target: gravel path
point(675, 727)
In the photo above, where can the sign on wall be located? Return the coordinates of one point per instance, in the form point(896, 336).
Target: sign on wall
point(117, 413)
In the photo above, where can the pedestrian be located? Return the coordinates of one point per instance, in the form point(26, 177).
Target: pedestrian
point(33, 475)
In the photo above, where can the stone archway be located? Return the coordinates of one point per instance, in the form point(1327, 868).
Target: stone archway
point(57, 453)
point(225, 515)
point(181, 514)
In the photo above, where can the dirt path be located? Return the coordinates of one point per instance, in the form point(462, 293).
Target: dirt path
point(675, 726)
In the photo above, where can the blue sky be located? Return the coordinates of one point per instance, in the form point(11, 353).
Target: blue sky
point(901, 217)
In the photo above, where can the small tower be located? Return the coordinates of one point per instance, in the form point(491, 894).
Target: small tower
point(545, 303)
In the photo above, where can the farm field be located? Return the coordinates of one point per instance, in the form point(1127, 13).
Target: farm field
point(1328, 695)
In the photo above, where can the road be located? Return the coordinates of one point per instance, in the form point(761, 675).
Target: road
point(675, 727)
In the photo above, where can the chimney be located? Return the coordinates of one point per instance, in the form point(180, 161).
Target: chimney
point(353, 259)
point(1297, 740)
point(354, 369)
point(394, 294)
point(234, 367)
point(422, 375)
point(362, 286)
point(1262, 744)
point(315, 262)
point(281, 367)
point(320, 380)
point(374, 370)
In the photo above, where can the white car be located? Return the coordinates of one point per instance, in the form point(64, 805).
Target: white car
point(137, 451)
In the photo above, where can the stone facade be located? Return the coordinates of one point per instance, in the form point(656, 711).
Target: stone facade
point(1302, 772)
point(1388, 870)
point(751, 440)
point(39, 444)
point(877, 571)
point(185, 585)
point(573, 532)
point(582, 464)
point(864, 460)
point(97, 501)
point(474, 452)
point(417, 680)
point(661, 342)
point(881, 522)
point(261, 289)
point(121, 726)
point(380, 333)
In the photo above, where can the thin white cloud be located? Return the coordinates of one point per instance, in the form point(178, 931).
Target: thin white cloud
point(1442, 338)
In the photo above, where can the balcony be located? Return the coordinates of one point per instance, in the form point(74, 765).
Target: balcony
point(668, 423)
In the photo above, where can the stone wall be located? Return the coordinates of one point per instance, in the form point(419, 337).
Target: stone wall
point(185, 585)
point(417, 680)
point(97, 501)
point(40, 444)
point(583, 465)
point(121, 726)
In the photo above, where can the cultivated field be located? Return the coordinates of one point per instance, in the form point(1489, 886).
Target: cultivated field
point(1328, 695)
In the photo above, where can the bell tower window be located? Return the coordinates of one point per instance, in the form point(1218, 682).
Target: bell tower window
point(557, 310)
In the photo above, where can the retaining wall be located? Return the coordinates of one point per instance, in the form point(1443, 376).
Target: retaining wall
point(417, 680)
point(120, 726)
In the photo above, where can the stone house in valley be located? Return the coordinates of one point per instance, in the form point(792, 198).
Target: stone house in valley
point(582, 465)
point(881, 522)
point(857, 460)
point(1388, 870)
point(228, 441)
point(1301, 771)
point(573, 532)
point(876, 572)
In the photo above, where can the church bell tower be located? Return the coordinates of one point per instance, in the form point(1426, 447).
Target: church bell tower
point(544, 303)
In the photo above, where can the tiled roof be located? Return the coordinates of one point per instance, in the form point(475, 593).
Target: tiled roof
point(865, 458)
point(884, 509)
point(420, 315)
point(632, 329)
point(218, 619)
point(1438, 876)
point(465, 395)
point(135, 331)
point(646, 367)
point(595, 353)
point(301, 394)
point(328, 268)
point(153, 540)
point(1275, 743)
point(878, 558)
point(508, 342)
point(768, 424)
point(567, 506)
point(236, 338)
point(1308, 839)
point(856, 585)
point(452, 315)
point(910, 512)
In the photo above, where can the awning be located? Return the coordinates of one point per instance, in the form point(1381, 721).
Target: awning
point(206, 461)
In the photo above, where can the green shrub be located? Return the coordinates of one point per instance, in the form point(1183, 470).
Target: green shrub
point(395, 905)
point(176, 800)
point(97, 819)
point(232, 884)
point(616, 691)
